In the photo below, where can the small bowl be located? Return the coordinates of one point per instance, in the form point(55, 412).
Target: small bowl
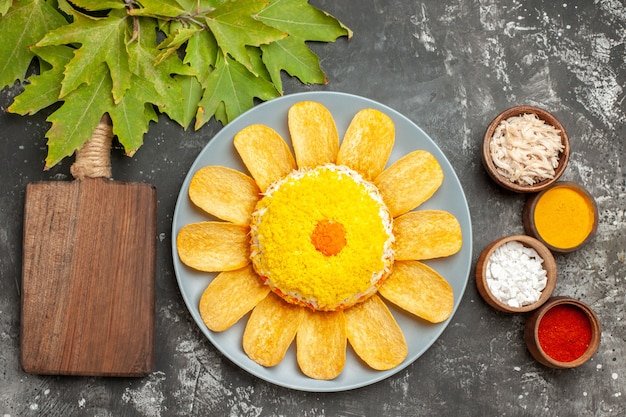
point(549, 264)
point(503, 181)
point(530, 226)
point(531, 333)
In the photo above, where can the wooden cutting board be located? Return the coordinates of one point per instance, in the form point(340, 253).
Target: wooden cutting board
point(89, 253)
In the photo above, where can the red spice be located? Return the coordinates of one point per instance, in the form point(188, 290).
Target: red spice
point(564, 333)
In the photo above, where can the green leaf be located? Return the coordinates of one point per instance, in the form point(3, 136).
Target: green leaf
point(198, 6)
point(217, 59)
point(66, 7)
point(234, 27)
point(142, 54)
point(95, 5)
point(74, 122)
point(293, 56)
point(304, 23)
point(102, 41)
point(201, 54)
point(159, 8)
point(189, 97)
point(44, 89)
point(258, 66)
point(220, 113)
point(21, 27)
point(161, 88)
point(300, 19)
point(4, 6)
point(131, 117)
point(176, 40)
point(232, 85)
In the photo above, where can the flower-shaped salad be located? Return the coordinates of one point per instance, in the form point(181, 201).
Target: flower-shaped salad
point(315, 243)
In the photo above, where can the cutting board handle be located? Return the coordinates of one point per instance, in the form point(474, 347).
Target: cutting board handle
point(93, 160)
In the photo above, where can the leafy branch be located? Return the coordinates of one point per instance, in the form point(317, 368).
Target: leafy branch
point(189, 59)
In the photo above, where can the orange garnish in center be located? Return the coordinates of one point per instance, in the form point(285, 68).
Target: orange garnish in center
point(329, 237)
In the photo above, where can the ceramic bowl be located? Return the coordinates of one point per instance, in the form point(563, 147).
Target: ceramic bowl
point(530, 226)
point(503, 181)
point(549, 264)
point(531, 333)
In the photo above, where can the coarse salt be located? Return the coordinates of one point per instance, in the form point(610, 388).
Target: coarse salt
point(515, 275)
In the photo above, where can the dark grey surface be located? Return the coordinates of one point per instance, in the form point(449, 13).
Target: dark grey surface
point(450, 66)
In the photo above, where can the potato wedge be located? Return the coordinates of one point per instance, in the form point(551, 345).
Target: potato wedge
point(426, 234)
point(214, 246)
point(225, 193)
point(321, 344)
point(409, 181)
point(313, 134)
point(420, 290)
point(230, 296)
point(271, 329)
point(374, 334)
point(265, 154)
point(367, 143)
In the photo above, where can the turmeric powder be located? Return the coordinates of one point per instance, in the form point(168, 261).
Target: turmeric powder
point(564, 216)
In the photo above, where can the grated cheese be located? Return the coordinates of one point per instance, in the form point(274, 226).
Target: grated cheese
point(515, 274)
point(525, 149)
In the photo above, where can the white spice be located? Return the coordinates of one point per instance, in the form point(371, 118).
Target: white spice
point(515, 275)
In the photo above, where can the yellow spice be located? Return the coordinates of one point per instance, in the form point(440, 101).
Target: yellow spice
point(564, 217)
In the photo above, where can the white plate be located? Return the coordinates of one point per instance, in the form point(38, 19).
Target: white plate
point(419, 335)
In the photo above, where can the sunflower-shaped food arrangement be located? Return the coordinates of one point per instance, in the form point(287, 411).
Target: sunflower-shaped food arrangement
point(314, 244)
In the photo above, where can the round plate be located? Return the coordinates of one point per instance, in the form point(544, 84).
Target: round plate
point(420, 335)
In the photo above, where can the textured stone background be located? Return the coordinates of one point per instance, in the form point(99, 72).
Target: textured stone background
point(450, 66)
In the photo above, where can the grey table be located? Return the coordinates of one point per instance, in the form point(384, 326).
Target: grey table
point(450, 66)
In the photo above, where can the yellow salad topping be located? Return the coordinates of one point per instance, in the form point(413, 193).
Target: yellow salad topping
point(322, 238)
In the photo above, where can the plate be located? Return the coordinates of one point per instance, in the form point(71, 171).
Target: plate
point(419, 334)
